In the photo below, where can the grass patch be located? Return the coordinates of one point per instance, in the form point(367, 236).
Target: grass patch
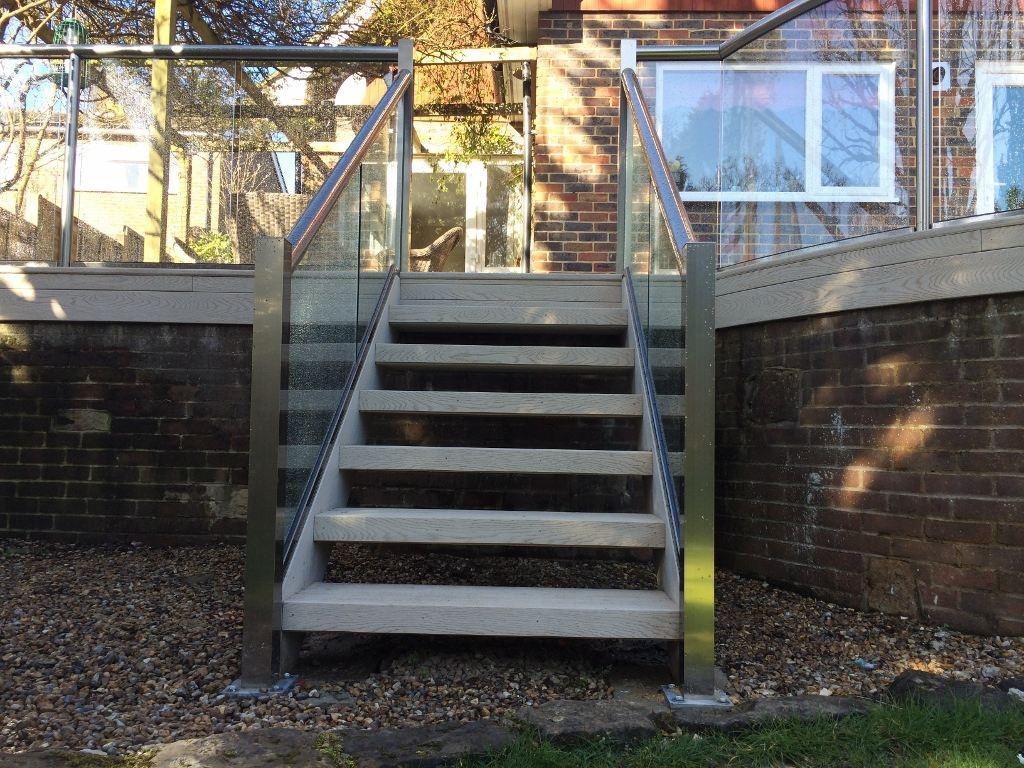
point(905, 736)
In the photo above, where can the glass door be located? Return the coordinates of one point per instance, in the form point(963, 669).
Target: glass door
point(482, 197)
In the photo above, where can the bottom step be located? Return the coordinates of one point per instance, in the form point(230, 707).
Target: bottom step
point(501, 611)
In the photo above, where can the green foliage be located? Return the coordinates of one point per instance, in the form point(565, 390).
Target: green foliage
point(332, 746)
point(910, 736)
point(212, 248)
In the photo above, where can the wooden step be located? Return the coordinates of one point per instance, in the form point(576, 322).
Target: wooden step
point(401, 458)
point(502, 611)
point(476, 526)
point(478, 317)
point(511, 289)
point(489, 357)
point(500, 403)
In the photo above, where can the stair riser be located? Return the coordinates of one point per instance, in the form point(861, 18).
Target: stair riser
point(502, 432)
point(558, 493)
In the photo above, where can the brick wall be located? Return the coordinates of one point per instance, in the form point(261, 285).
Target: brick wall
point(113, 432)
point(876, 459)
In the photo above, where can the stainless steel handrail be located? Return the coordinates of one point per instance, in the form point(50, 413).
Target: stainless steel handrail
point(266, 53)
point(727, 48)
point(680, 230)
point(320, 206)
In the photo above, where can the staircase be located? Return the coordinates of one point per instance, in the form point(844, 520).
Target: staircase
point(496, 416)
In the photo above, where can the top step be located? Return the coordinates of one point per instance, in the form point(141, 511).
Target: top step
point(502, 317)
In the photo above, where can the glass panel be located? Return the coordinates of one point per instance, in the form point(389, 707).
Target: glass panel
point(800, 138)
point(242, 147)
point(33, 127)
point(658, 288)
point(978, 82)
point(330, 297)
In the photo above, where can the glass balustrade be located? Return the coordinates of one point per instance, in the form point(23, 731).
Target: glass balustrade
point(178, 159)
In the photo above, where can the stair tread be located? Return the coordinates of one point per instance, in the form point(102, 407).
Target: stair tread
point(497, 460)
point(492, 357)
point(482, 526)
point(510, 611)
point(499, 316)
point(500, 403)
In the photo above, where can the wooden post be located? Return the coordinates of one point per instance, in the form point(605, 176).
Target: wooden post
point(159, 145)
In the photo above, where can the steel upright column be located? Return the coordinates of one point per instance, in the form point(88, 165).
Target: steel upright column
point(264, 418)
point(698, 524)
point(925, 214)
point(403, 217)
point(624, 230)
point(67, 208)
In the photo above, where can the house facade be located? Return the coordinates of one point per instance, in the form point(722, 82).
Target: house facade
point(869, 402)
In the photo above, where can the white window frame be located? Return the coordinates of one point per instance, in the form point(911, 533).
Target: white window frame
point(885, 191)
point(103, 166)
point(990, 75)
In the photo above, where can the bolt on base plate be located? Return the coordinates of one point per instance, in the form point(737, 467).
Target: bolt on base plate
point(678, 700)
point(279, 687)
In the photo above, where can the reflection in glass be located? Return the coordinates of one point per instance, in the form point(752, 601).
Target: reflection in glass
point(850, 131)
point(1008, 147)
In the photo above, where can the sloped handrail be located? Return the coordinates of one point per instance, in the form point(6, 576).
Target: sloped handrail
point(680, 230)
point(323, 201)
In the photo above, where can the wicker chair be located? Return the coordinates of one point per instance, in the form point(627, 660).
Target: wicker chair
point(434, 257)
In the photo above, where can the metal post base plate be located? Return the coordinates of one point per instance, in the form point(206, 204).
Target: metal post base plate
point(280, 687)
point(678, 700)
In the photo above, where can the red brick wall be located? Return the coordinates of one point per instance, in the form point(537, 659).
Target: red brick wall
point(876, 459)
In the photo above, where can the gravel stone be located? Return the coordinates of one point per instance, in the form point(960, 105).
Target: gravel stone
point(110, 649)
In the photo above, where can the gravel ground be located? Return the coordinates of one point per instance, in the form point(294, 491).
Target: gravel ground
point(116, 648)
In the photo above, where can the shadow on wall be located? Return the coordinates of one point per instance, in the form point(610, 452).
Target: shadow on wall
point(873, 458)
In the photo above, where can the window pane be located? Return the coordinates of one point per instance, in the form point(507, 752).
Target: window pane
point(764, 131)
point(691, 127)
point(850, 131)
point(1008, 146)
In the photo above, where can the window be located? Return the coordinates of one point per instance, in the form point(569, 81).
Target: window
point(1000, 136)
point(779, 131)
point(118, 167)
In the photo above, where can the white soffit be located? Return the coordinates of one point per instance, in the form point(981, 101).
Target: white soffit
point(518, 19)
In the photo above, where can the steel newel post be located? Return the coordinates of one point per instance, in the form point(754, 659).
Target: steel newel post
point(698, 524)
point(527, 167)
point(67, 224)
point(264, 415)
point(624, 236)
point(925, 214)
